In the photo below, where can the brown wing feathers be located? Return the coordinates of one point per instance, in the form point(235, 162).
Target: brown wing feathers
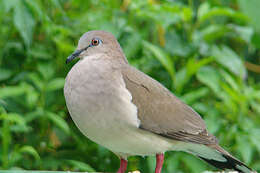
point(202, 138)
point(162, 113)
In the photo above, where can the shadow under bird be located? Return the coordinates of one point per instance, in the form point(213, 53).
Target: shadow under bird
point(128, 112)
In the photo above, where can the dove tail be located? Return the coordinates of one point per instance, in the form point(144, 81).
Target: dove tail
point(229, 162)
point(218, 157)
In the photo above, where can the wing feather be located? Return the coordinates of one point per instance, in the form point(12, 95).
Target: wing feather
point(163, 113)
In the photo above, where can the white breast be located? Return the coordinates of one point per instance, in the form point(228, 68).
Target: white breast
point(101, 107)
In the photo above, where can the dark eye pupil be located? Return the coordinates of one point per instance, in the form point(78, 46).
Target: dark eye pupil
point(95, 42)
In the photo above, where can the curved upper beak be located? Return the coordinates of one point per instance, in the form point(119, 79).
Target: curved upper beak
point(74, 55)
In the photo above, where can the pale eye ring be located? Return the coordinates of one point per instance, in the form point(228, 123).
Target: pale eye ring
point(95, 42)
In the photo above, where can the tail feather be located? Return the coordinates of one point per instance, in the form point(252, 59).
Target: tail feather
point(230, 163)
point(218, 157)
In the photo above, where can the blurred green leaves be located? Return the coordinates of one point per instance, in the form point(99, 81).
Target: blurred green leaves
point(4, 74)
point(162, 57)
point(210, 77)
point(22, 18)
point(196, 49)
point(229, 59)
point(250, 8)
point(24, 22)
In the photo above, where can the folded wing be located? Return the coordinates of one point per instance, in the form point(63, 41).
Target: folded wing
point(163, 113)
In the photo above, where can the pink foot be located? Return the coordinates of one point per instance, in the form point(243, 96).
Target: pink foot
point(123, 166)
point(159, 162)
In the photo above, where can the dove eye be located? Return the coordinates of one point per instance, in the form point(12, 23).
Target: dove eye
point(95, 42)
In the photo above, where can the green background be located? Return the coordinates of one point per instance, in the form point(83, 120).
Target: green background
point(205, 51)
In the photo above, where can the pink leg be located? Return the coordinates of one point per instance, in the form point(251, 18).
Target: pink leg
point(123, 166)
point(159, 162)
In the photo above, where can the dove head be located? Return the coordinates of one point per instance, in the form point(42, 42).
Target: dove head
point(97, 42)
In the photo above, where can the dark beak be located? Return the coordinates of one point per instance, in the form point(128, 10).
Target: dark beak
point(74, 55)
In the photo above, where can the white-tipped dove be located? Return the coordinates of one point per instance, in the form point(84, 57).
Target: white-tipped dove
point(128, 112)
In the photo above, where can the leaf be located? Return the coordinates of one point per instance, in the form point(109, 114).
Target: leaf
point(58, 121)
point(36, 80)
point(214, 32)
point(194, 95)
point(173, 161)
point(251, 9)
point(9, 4)
point(221, 11)
point(30, 150)
point(229, 59)
point(195, 165)
point(17, 122)
point(34, 5)
point(81, 166)
point(194, 65)
point(256, 106)
point(13, 117)
point(176, 45)
point(243, 147)
point(39, 112)
point(187, 14)
point(24, 22)
point(204, 8)
point(210, 77)
point(32, 97)
point(255, 137)
point(46, 70)
point(230, 80)
point(55, 84)
point(5, 74)
point(150, 163)
point(180, 79)
point(246, 33)
point(212, 119)
point(11, 91)
point(184, 75)
point(162, 57)
point(38, 51)
point(131, 49)
point(217, 31)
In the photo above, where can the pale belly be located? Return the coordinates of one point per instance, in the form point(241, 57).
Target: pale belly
point(124, 139)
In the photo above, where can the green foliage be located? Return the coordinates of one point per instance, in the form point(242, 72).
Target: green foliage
point(202, 50)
